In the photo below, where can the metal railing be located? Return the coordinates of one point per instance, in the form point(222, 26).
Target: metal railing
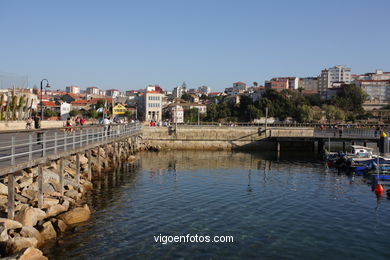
point(347, 133)
point(24, 146)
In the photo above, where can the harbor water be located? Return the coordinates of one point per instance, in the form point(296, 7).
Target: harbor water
point(286, 207)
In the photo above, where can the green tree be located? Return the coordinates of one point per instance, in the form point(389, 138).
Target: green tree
point(49, 113)
point(333, 113)
point(304, 114)
point(73, 113)
point(186, 97)
point(350, 98)
point(212, 113)
point(100, 103)
point(191, 115)
point(93, 114)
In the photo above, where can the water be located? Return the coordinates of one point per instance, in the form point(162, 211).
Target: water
point(286, 208)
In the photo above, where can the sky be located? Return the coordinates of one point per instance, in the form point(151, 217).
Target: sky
point(131, 44)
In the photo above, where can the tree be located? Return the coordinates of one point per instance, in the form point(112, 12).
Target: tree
point(186, 97)
point(350, 98)
point(191, 115)
point(49, 113)
point(333, 113)
point(255, 84)
point(73, 113)
point(100, 103)
point(212, 114)
point(93, 114)
point(304, 114)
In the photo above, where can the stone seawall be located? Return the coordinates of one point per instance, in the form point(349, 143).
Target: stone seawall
point(33, 226)
point(217, 138)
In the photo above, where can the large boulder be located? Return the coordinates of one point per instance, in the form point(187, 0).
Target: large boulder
point(10, 224)
point(55, 210)
point(18, 243)
point(28, 231)
point(3, 233)
point(48, 202)
point(30, 216)
point(48, 232)
point(76, 215)
point(61, 225)
point(31, 253)
point(3, 189)
point(72, 194)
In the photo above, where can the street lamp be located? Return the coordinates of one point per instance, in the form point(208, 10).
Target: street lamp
point(47, 86)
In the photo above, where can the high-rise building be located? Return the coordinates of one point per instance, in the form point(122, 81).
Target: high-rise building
point(333, 77)
point(73, 89)
point(92, 91)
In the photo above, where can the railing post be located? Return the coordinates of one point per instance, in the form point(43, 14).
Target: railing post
point(89, 165)
point(44, 145)
point(55, 142)
point(74, 139)
point(77, 168)
point(11, 196)
point(13, 150)
point(40, 186)
point(30, 147)
point(65, 141)
point(87, 136)
point(81, 137)
point(62, 176)
point(99, 163)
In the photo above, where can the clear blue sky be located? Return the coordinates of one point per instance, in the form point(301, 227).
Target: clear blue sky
point(130, 44)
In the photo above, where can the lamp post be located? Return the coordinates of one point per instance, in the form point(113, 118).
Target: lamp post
point(47, 86)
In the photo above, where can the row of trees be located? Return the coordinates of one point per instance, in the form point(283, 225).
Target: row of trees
point(347, 105)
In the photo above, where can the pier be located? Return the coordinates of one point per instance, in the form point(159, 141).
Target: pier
point(24, 149)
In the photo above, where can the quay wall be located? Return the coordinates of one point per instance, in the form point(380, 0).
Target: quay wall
point(218, 138)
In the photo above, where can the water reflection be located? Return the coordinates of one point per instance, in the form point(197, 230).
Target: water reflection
point(275, 209)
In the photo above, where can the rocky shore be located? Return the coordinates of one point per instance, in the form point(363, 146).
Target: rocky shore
point(32, 226)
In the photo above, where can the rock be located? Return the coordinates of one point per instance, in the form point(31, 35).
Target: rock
point(48, 232)
point(83, 159)
point(28, 231)
point(61, 225)
point(55, 210)
point(18, 243)
point(69, 187)
point(3, 200)
point(21, 198)
point(48, 202)
point(3, 233)
point(76, 215)
point(3, 189)
point(29, 193)
point(131, 158)
point(70, 171)
point(11, 224)
point(21, 207)
point(66, 204)
point(30, 216)
point(48, 187)
point(72, 194)
point(87, 185)
point(25, 182)
point(31, 253)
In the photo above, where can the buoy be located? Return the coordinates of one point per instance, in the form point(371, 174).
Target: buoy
point(379, 190)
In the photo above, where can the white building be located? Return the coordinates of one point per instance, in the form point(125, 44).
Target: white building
point(179, 91)
point(335, 75)
point(376, 85)
point(92, 91)
point(112, 93)
point(64, 110)
point(153, 103)
point(73, 89)
point(177, 114)
point(293, 83)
